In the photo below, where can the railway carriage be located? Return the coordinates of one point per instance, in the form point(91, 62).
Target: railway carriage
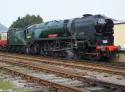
point(88, 37)
point(3, 40)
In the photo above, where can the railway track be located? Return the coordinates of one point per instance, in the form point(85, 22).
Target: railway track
point(113, 64)
point(28, 62)
point(76, 86)
point(112, 68)
point(58, 83)
point(45, 79)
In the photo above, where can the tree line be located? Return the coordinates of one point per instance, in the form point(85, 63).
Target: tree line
point(25, 21)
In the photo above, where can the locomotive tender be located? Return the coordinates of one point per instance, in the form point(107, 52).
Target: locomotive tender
point(88, 37)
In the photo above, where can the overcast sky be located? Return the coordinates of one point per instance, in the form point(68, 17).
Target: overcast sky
point(59, 9)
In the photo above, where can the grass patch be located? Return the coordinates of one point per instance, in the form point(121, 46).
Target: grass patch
point(5, 85)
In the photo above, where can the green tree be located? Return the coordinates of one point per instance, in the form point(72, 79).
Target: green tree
point(26, 21)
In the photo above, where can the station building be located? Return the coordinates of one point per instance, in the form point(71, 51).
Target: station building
point(119, 34)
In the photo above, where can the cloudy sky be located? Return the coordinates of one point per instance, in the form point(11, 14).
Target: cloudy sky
point(59, 9)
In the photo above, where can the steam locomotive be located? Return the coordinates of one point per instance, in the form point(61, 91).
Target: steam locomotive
point(88, 37)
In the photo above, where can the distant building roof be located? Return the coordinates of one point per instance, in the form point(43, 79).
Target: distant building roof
point(116, 22)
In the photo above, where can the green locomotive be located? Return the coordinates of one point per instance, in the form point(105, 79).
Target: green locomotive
point(90, 37)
